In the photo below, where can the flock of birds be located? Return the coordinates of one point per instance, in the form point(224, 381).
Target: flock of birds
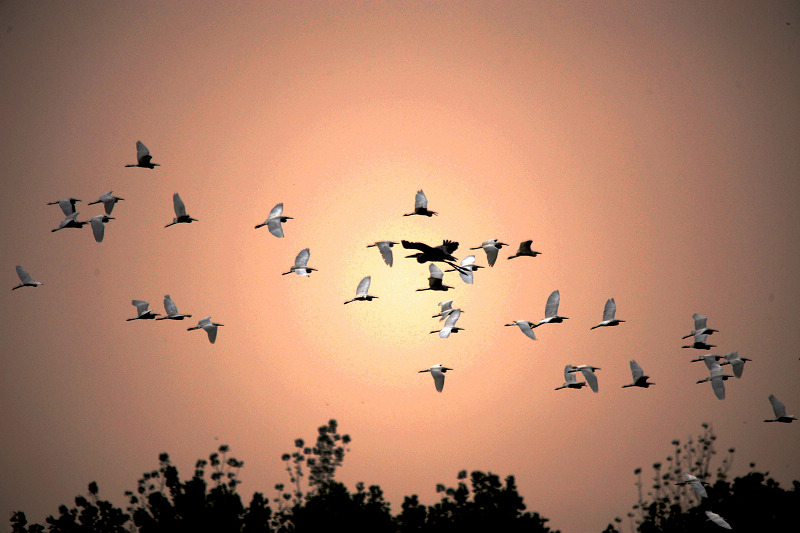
point(424, 253)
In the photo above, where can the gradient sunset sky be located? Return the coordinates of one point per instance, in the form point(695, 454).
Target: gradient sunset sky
point(651, 151)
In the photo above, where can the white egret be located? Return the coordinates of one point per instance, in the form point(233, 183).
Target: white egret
point(709, 360)
point(362, 290)
point(67, 205)
point(588, 375)
point(99, 227)
point(25, 279)
point(467, 267)
point(639, 379)
point(437, 371)
point(71, 222)
point(385, 248)
point(696, 484)
point(421, 206)
point(491, 247)
point(551, 310)
point(700, 326)
point(446, 309)
point(736, 362)
point(108, 200)
point(209, 327)
point(449, 325)
point(700, 342)
point(143, 157)
point(525, 327)
point(143, 311)
point(780, 411)
point(172, 310)
point(274, 220)
point(717, 379)
point(609, 313)
point(435, 280)
point(570, 379)
point(717, 519)
point(300, 264)
point(524, 250)
point(180, 212)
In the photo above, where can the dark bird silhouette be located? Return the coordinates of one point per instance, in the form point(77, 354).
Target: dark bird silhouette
point(143, 157)
point(443, 252)
point(639, 379)
point(524, 250)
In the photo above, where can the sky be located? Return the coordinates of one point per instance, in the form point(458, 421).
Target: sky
point(651, 151)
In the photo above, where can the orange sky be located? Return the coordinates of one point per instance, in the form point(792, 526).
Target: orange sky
point(650, 150)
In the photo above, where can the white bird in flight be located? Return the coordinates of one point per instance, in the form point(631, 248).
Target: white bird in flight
point(700, 327)
point(570, 379)
point(491, 247)
point(700, 342)
point(449, 325)
point(274, 221)
point(466, 269)
point(609, 314)
point(362, 290)
point(67, 205)
point(71, 222)
point(446, 309)
point(437, 371)
point(421, 206)
point(385, 248)
point(172, 310)
point(143, 157)
point(639, 379)
point(524, 250)
point(209, 327)
point(300, 266)
point(551, 315)
point(25, 279)
point(180, 212)
point(588, 375)
point(717, 519)
point(435, 280)
point(696, 484)
point(143, 311)
point(736, 362)
point(99, 227)
point(525, 327)
point(717, 379)
point(780, 411)
point(108, 200)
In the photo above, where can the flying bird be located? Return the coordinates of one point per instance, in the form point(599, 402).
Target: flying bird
point(609, 313)
point(700, 342)
point(143, 157)
point(588, 375)
point(525, 327)
point(25, 279)
point(362, 290)
point(717, 519)
point(491, 247)
point(209, 327)
point(435, 280)
point(709, 360)
point(108, 200)
point(180, 212)
point(468, 266)
point(639, 379)
point(551, 310)
point(524, 250)
point(780, 411)
point(736, 362)
point(67, 205)
point(274, 220)
point(695, 483)
point(449, 325)
point(71, 222)
point(172, 310)
point(385, 248)
point(446, 309)
point(143, 311)
point(437, 371)
point(717, 379)
point(570, 379)
point(443, 252)
point(700, 326)
point(300, 264)
point(99, 227)
point(421, 206)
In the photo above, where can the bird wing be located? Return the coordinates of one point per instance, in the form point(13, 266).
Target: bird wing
point(277, 211)
point(302, 258)
point(275, 227)
point(386, 252)
point(67, 206)
point(169, 306)
point(491, 253)
point(24, 277)
point(177, 204)
point(610, 310)
point(466, 275)
point(438, 379)
point(420, 200)
point(142, 153)
point(551, 307)
point(777, 406)
point(435, 271)
point(718, 384)
point(363, 286)
point(421, 246)
point(524, 246)
point(636, 370)
point(449, 246)
point(698, 487)
point(141, 306)
point(700, 338)
point(590, 377)
point(211, 329)
point(98, 228)
point(452, 318)
point(712, 364)
point(717, 519)
point(108, 202)
point(526, 328)
point(699, 321)
point(467, 261)
point(569, 376)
